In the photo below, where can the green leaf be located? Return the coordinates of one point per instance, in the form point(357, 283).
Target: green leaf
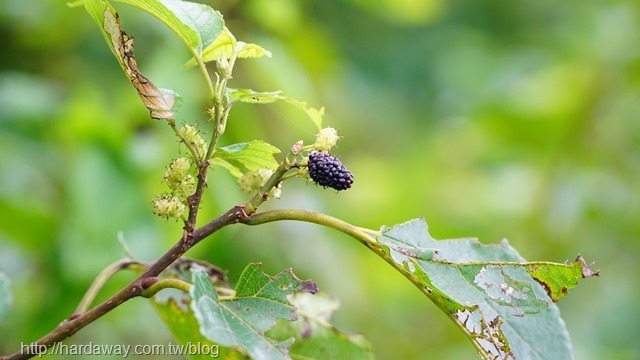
point(254, 97)
point(234, 170)
point(223, 46)
point(316, 337)
point(252, 155)
point(174, 308)
point(557, 279)
point(179, 318)
point(198, 25)
point(253, 51)
point(5, 296)
point(488, 289)
point(97, 8)
point(161, 103)
point(242, 320)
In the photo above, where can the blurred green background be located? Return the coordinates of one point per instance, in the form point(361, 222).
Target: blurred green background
point(515, 119)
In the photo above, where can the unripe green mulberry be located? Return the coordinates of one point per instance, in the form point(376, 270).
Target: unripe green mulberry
point(168, 207)
point(176, 172)
point(178, 178)
point(253, 181)
point(192, 135)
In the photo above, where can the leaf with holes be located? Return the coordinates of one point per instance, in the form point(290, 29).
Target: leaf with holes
point(174, 307)
point(185, 329)
point(316, 337)
point(241, 320)
point(494, 295)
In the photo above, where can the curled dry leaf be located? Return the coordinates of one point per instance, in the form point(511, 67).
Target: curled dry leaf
point(160, 102)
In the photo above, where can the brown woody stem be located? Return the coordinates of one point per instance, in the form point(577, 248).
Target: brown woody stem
point(79, 320)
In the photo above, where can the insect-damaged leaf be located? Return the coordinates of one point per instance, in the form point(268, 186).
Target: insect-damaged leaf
point(558, 279)
point(174, 307)
point(242, 320)
point(316, 337)
point(161, 102)
point(185, 329)
point(489, 290)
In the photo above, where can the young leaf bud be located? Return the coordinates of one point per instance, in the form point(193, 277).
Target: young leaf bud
point(222, 65)
point(297, 147)
point(276, 192)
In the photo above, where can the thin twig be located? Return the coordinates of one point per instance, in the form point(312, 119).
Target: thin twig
point(194, 204)
point(99, 282)
point(77, 321)
point(239, 213)
point(365, 237)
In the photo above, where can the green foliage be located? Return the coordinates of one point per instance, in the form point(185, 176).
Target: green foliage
point(198, 25)
point(241, 321)
point(488, 290)
point(179, 318)
point(225, 45)
point(558, 279)
point(488, 141)
point(267, 97)
point(252, 156)
point(316, 337)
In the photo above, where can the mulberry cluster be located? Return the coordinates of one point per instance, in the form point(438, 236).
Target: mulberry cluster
point(328, 171)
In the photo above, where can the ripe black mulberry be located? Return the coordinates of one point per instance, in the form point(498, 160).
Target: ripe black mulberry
point(328, 171)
